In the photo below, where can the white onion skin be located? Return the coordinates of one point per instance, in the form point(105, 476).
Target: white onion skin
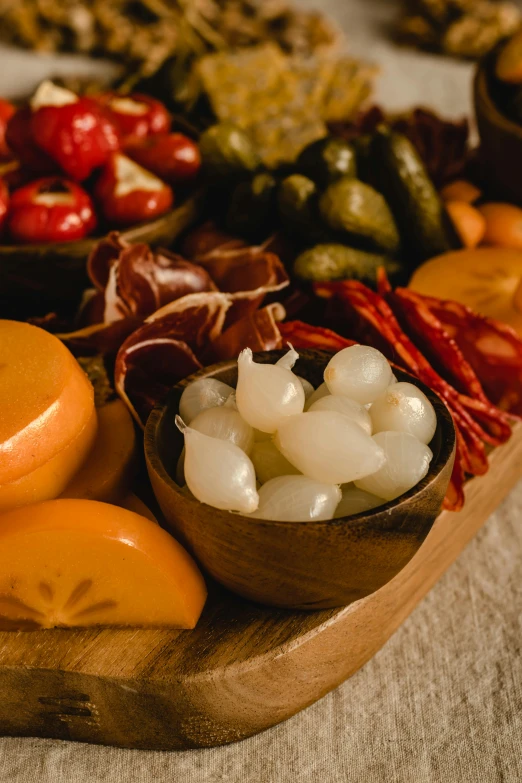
point(360, 372)
point(404, 408)
point(354, 410)
point(266, 394)
point(307, 388)
point(225, 423)
point(328, 447)
point(269, 463)
point(319, 393)
point(218, 473)
point(407, 462)
point(289, 359)
point(202, 394)
point(297, 499)
point(355, 501)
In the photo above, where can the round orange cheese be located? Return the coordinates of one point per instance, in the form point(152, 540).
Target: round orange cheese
point(46, 403)
point(50, 479)
point(79, 563)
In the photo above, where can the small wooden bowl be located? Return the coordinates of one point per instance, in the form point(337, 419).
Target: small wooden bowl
point(37, 278)
point(500, 136)
point(297, 565)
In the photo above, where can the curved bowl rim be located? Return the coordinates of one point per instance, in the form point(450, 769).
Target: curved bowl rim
point(446, 452)
point(483, 95)
point(135, 233)
point(87, 241)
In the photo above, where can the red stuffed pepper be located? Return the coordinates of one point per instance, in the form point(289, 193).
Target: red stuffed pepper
point(74, 132)
point(6, 112)
point(19, 138)
point(135, 116)
point(50, 210)
point(4, 204)
point(129, 194)
point(173, 157)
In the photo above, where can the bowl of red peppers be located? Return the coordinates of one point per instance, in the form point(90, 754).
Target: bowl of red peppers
point(73, 167)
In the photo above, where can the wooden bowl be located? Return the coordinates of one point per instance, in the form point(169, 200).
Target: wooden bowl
point(500, 136)
point(35, 279)
point(297, 565)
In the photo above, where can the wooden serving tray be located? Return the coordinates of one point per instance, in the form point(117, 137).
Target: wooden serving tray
point(243, 669)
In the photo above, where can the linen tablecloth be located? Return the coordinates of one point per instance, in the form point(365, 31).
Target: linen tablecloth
point(442, 701)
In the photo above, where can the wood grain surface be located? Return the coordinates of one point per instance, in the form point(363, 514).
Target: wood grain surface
point(243, 669)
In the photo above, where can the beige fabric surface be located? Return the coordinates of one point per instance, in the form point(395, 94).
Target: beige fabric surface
point(442, 701)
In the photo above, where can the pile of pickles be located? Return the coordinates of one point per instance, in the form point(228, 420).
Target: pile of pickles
point(348, 207)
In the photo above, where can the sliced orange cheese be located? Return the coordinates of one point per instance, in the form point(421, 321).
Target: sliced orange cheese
point(49, 480)
point(79, 563)
point(46, 400)
point(109, 468)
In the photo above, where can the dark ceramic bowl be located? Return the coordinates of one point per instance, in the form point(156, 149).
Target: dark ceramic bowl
point(500, 136)
point(298, 565)
point(35, 279)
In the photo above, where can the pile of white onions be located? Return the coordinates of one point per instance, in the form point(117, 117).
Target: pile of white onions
point(275, 448)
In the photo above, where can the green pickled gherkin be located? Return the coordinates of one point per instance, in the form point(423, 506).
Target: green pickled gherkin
point(227, 152)
point(297, 205)
point(340, 262)
point(353, 208)
point(327, 160)
point(417, 207)
point(252, 211)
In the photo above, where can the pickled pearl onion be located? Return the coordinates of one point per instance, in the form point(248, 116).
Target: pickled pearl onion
point(319, 393)
point(225, 423)
point(360, 372)
point(328, 446)
point(289, 359)
point(354, 410)
point(269, 463)
point(307, 388)
point(355, 501)
point(407, 462)
point(202, 394)
point(218, 473)
point(404, 408)
point(266, 394)
point(297, 499)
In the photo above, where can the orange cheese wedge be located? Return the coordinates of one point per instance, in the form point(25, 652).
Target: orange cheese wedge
point(46, 413)
point(108, 471)
point(79, 563)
